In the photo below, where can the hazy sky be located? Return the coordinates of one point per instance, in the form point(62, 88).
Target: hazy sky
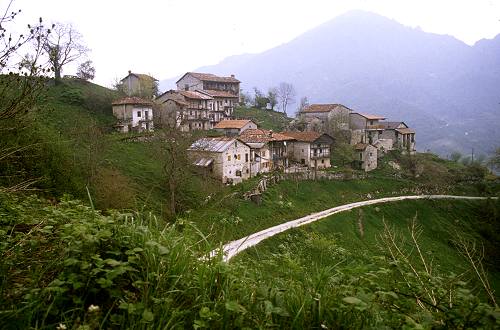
point(169, 37)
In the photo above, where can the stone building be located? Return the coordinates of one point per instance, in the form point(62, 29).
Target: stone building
point(325, 117)
point(234, 127)
point(139, 84)
point(133, 113)
point(311, 149)
point(225, 158)
point(366, 156)
point(192, 110)
point(401, 136)
point(195, 81)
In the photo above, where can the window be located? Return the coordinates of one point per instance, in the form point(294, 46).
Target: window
point(239, 157)
point(186, 87)
point(238, 173)
point(138, 113)
point(246, 157)
point(247, 171)
point(228, 158)
point(146, 114)
point(322, 161)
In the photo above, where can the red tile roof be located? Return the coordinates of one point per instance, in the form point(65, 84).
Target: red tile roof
point(262, 135)
point(323, 107)
point(236, 123)
point(304, 136)
point(210, 77)
point(134, 100)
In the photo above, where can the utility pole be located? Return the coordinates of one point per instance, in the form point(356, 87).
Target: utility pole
point(472, 155)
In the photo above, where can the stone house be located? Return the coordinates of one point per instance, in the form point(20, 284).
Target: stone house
point(192, 81)
point(401, 136)
point(365, 128)
point(224, 102)
point(133, 113)
point(270, 149)
point(139, 84)
point(366, 156)
point(234, 127)
point(192, 109)
point(311, 149)
point(226, 158)
point(325, 117)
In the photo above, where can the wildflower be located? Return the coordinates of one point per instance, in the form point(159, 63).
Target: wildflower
point(93, 308)
point(61, 327)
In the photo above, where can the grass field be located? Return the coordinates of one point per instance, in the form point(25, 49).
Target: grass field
point(267, 119)
point(350, 240)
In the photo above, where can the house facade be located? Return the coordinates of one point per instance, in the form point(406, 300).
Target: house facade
point(311, 149)
point(192, 81)
point(366, 156)
point(272, 149)
point(401, 136)
point(140, 85)
point(234, 127)
point(193, 110)
point(325, 117)
point(226, 158)
point(133, 114)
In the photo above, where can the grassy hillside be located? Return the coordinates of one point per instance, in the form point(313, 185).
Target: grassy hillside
point(83, 269)
point(267, 119)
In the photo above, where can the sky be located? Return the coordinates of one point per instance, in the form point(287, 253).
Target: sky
point(167, 38)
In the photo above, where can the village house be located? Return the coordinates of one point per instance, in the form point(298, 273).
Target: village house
point(366, 156)
point(234, 127)
point(225, 158)
point(139, 84)
point(401, 136)
point(365, 128)
point(311, 149)
point(224, 102)
point(192, 81)
point(191, 109)
point(133, 113)
point(271, 149)
point(325, 117)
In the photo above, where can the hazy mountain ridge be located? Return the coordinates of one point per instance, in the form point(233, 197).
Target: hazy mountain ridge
point(439, 85)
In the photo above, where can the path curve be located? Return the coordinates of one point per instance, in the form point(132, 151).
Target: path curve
point(232, 248)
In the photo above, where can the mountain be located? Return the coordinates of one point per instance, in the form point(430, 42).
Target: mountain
point(444, 88)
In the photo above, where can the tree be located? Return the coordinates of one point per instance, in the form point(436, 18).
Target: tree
point(259, 101)
point(286, 95)
point(21, 84)
point(86, 71)
point(64, 45)
point(455, 156)
point(272, 96)
point(494, 161)
point(304, 103)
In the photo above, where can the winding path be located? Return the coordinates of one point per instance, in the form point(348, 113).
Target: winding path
point(232, 248)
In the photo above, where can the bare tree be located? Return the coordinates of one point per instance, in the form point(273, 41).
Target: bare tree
point(86, 71)
point(64, 45)
point(286, 95)
point(304, 103)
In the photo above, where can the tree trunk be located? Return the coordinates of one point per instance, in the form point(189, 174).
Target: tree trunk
point(57, 74)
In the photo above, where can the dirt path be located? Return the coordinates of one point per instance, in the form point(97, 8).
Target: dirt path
point(232, 248)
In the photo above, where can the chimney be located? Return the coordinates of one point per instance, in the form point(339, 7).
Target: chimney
point(129, 72)
point(271, 133)
point(232, 76)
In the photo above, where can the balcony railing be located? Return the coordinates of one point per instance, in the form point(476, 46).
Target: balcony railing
point(316, 155)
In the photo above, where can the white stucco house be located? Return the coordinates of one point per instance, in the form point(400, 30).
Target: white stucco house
point(133, 113)
point(225, 158)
